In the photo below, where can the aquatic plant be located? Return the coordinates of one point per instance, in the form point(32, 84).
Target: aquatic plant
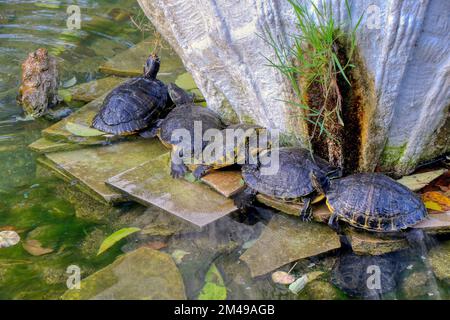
point(315, 66)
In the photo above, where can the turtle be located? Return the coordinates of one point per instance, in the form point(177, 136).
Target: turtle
point(189, 119)
point(291, 182)
point(372, 201)
point(135, 106)
point(240, 144)
point(369, 277)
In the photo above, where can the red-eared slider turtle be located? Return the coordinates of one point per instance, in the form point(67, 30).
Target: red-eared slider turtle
point(374, 202)
point(136, 105)
point(183, 128)
point(240, 144)
point(291, 182)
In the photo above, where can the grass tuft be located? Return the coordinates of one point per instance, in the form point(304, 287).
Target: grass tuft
point(313, 61)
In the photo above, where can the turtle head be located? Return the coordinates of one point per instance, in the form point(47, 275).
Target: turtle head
point(151, 66)
point(178, 95)
point(320, 184)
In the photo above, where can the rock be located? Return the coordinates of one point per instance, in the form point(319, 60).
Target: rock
point(130, 63)
point(395, 133)
point(44, 145)
point(320, 211)
point(321, 290)
point(287, 239)
point(154, 277)
point(372, 244)
point(92, 90)
point(226, 183)
point(151, 184)
point(415, 285)
point(435, 223)
point(39, 85)
point(417, 181)
point(91, 167)
point(439, 258)
point(8, 239)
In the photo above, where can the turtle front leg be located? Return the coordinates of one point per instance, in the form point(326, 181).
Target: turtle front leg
point(200, 171)
point(244, 198)
point(333, 222)
point(177, 167)
point(306, 212)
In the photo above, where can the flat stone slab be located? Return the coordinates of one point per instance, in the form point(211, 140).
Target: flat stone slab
point(44, 145)
point(364, 243)
point(93, 166)
point(130, 63)
point(151, 184)
point(286, 239)
point(227, 183)
point(320, 211)
point(58, 132)
point(435, 223)
point(144, 274)
point(92, 90)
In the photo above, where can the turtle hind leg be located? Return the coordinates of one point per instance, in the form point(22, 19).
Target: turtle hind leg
point(245, 198)
point(306, 212)
point(178, 171)
point(200, 171)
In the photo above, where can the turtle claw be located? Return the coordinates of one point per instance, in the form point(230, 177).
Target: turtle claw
point(178, 171)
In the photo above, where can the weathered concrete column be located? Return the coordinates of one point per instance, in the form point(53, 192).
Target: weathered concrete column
point(403, 69)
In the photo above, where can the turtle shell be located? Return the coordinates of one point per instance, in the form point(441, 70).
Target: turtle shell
point(234, 151)
point(375, 202)
point(133, 106)
point(185, 117)
point(292, 179)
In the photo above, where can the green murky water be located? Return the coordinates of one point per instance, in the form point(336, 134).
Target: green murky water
point(30, 202)
point(41, 207)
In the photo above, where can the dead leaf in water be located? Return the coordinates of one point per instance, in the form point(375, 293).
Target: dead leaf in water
point(436, 201)
point(156, 245)
point(34, 247)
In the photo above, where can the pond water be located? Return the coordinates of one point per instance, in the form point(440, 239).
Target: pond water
point(33, 204)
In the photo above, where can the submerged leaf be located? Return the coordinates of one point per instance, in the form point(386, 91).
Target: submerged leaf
point(8, 238)
point(35, 248)
point(214, 288)
point(417, 181)
point(115, 237)
point(83, 131)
